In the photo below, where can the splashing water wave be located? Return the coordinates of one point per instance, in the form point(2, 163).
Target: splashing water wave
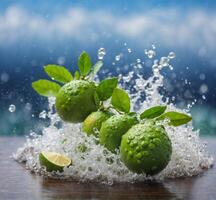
point(189, 155)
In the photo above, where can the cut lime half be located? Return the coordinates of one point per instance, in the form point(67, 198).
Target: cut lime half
point(54, 161)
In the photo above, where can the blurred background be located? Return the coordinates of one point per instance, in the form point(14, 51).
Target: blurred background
point(36, 33)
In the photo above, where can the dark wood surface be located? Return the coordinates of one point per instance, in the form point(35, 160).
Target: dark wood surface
point(18, 183)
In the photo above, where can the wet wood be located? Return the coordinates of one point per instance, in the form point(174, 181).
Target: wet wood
point(18, 183)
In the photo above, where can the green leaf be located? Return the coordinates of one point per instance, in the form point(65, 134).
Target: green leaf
point(58, 73)
point(84, 63)
point(176, 118)
point(76, 75)
point(153, 112)
point(46, 88)
point(106, 87)
point(120, 100)
point(96, 69)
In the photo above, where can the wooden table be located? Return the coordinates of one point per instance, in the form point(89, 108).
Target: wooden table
point(18, 183)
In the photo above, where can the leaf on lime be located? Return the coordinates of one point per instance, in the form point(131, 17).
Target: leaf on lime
point(153, 112)
point(58, 73)
point(120, 100)
point(76, 75)
point(46, 88)
point(84, 63)
point(106, 87)
point(175, 118)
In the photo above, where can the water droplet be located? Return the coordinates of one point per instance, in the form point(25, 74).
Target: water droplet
point(144, 144)
point(12, 108)
point(151, 146)
point(139, 66)
point(43, 114)
point(139, 155)
point(95, 130)
point(156, 70)
point(189, 137)
point(150, 53)
point(171, 67)
point(118, 57)
point(202, 77)
point(61, 60)
point(145, 153)
point(139, 161)
point(164, 61)
point(28, 106)
point(131, 137)
point(153, 46)
point(4, 77)
point(129, 50)
point(155, 62)
point(138, 148)
point(101, 53)
point(171, 55)
point(156, 141)
point(203, 89)
point(138, 60)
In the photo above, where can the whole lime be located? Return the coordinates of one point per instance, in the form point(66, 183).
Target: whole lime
point(112, 130)
point(76, 100)
point(146, 148)
point(94, 121)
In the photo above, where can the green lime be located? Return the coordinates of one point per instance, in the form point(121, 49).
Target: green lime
point(112, 130)
point(76, 100)
point(146, 148)
point(54, 161)
point(94, 121)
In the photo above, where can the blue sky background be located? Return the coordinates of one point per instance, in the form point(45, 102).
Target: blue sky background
point(35, 33)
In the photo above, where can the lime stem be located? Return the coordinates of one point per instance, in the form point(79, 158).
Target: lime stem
point(82, 77)
point(111, 107)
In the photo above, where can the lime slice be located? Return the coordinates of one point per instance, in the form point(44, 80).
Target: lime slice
point(54, 161)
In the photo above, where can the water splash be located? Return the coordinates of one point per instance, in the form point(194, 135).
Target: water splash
point(189, 155)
